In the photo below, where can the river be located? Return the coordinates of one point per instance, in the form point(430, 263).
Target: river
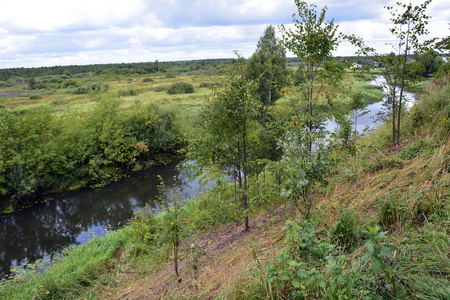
point(74, 217)
point(369, 120)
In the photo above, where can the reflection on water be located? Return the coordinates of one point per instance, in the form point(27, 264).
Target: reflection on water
point(73, 218)
point(368, 121)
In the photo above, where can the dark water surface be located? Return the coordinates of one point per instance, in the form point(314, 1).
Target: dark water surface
point(74, 217)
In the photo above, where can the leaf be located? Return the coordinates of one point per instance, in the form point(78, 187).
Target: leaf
point(285, 276)
point(295, 283)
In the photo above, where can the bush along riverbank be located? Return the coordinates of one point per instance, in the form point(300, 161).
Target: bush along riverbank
point(44, 153)
point(380, 229)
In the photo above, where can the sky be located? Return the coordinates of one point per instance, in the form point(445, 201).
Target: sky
point(55, 32)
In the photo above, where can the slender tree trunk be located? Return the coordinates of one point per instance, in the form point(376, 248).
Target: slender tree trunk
point(235, 192)
point(393, 112)
point(402, 86)
point(244, 196)
point(175, 252)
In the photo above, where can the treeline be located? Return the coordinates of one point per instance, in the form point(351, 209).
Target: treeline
point(117, 69)
point(42, 152)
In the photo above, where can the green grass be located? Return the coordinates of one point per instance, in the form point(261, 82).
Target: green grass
point(75, 274)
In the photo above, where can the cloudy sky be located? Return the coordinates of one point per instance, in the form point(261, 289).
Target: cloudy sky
point(37, 33)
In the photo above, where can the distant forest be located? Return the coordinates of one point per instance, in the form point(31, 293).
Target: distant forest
point(137, 68)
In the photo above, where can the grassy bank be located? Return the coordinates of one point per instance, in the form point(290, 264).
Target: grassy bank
point(380, 229)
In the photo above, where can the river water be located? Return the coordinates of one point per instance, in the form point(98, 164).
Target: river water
point(75, 217)
point(369, 120)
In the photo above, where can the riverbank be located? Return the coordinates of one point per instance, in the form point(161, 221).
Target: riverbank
point(404, 190)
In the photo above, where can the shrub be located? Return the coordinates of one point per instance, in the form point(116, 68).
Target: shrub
point(160, 88)
point(391, 213)
point(6, 84)
point(128, 92)
point(180, 88)
point(35, 97)
point(169, 76)
point(147, 79)
point(412, 150)
point(209, 84)
point(58, 101)
point(95, 87)
point(69, 83)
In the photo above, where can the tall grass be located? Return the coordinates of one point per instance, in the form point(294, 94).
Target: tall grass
point(78, 270)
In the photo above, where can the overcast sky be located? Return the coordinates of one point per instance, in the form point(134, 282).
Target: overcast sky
point(37, 33)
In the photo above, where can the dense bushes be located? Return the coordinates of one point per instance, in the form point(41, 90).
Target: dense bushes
point(94, 87)
point(128, 92)
point(433, 111)
point(209, 84)
point(43, 152)
point(147, 79)
point(180, 88)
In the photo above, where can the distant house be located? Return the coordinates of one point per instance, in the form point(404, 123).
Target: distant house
point(374, 64)
point(356, 66)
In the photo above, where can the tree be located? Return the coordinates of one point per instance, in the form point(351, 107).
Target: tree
point(357, 104)
point(395, 72)
point(415, 19)
point(313, 39)
point(267, 67)
point(228, 130)
point(430, 62)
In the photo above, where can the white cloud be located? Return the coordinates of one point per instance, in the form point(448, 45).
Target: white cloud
point(55, 32)
point(53, 15)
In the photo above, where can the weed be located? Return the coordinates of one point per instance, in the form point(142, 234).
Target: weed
point(347, 231)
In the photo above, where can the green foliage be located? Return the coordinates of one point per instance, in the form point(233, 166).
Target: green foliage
point(212, 209)
point(127, 92)
point(34, 84)
point(412, 150)
point(147, 79)
point(228, 132)
point(302, 175)
point(357, 105)
point(429, 63)
point(308, 267)
point(347, 232)
point(391, 213)
point(160, 88)
point(432, 113)
point(443, 70)
point(35, 97)
point(209, 84)
point(267, 67)
point(41, 151)
point(79, 270)
point(172, 220)
point(91, 88)
point(180, 88)
point(377, 251)
point(312, 40)
point(170, 76)
point(143, 225)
